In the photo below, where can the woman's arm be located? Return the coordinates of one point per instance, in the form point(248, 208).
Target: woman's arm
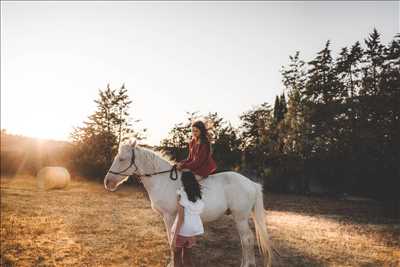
point(190, 156)
point(198, 159)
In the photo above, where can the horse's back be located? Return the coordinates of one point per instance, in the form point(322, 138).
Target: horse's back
point(231, 178)
point(229, 190)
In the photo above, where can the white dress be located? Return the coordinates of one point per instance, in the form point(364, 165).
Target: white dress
point(192, 224)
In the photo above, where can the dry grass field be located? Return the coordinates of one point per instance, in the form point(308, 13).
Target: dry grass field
point(84, 225)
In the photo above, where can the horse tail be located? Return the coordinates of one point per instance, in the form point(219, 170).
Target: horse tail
point(261, 227)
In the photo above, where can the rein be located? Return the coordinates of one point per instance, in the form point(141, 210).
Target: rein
point(173, 171)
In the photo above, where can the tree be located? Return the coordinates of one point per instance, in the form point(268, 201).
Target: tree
point(226, 143)
point(292, 131)
point(348, 67)
point(322, 85)
point(257, 137)
point(373, 60)
point(176, 143)
point(280, 108)
point(283, 105)
point(293, 78)
point(277, 109)
point(96, 143)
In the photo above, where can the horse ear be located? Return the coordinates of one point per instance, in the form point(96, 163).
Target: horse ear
point(133, 143)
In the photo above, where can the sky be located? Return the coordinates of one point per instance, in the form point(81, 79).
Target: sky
point(174, 57)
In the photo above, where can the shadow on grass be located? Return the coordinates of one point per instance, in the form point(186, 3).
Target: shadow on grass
point(220, 246)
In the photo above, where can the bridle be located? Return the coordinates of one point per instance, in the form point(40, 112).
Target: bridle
point(173, 171)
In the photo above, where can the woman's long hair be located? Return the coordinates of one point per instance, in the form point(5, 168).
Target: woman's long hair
point(191, 186)
point(204, 135)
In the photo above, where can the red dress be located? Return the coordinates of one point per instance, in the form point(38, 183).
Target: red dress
point(200, 161)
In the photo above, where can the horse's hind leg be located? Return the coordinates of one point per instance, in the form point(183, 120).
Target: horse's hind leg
point(247, 241)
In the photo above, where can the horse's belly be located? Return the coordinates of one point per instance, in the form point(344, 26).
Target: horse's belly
point(215, 204)
point(212, 215)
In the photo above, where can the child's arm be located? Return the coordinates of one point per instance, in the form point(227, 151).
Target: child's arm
point(181, 218)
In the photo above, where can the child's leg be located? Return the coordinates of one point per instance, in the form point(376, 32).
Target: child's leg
point(178, 257)
point(187, 257)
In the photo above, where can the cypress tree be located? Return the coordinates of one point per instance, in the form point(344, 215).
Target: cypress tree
point(277, 109)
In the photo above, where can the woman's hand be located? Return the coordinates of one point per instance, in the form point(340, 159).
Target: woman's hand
point(179, 166)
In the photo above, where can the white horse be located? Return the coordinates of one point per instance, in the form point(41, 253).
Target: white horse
point(220, 192)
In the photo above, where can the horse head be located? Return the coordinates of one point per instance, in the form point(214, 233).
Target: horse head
point(126, 163)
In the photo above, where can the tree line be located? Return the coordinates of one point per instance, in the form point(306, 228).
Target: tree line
point(336, 124)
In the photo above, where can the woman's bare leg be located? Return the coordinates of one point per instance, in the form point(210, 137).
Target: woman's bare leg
point(187, 257)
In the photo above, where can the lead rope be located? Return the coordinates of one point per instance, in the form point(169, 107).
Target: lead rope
point(173, 171)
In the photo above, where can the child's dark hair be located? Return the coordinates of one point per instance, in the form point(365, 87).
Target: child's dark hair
point(191, 186)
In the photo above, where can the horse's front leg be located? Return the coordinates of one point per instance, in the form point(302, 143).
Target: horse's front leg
point(168, 221)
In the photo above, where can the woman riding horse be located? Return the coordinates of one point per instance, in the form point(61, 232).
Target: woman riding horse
point(200, 161)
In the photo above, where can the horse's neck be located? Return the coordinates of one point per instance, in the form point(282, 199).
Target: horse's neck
point(156, 184)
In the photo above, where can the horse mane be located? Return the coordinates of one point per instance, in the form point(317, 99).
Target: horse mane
point(153, 160)
point(155, 155)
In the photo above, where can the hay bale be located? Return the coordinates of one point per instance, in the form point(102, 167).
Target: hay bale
point(53, 178)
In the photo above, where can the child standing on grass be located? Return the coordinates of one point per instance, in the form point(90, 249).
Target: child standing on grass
point(188, 223)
